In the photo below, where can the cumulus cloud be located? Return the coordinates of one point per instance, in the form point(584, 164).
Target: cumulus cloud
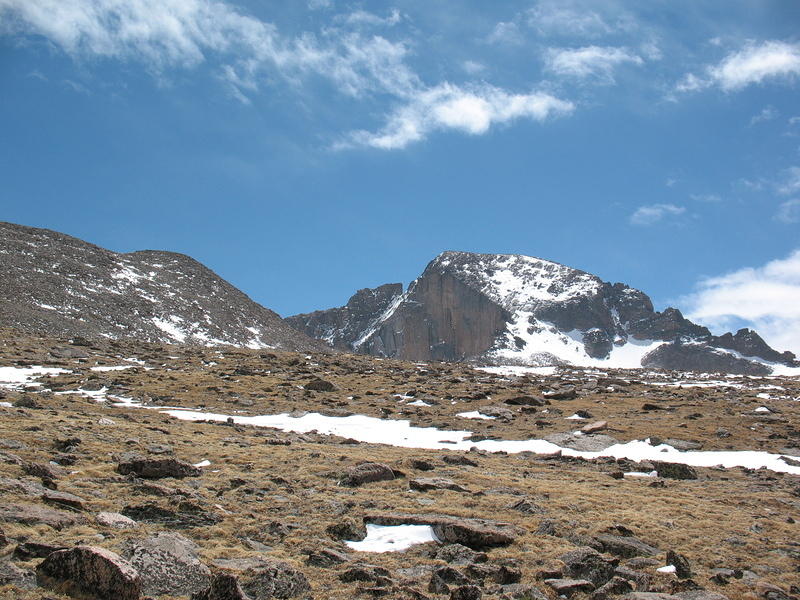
point(653, 213)
point(765, 298)
point(473, 111)
point(589, 61)
point(789, 212)
point(247, 52)
point(753, 64)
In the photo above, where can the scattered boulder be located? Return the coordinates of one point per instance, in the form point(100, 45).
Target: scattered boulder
point(29, 550)
point(587, 563)
point(614, 587)
point(457, 554)
point(115, 520)
point(3, 539)
point(43, 470)
point(682, 568)
point(326, 558)
point(522, 591)
point(583, 443)
point(188, 514)
point(625, 546)
point(594, 427)
point(347, 529)
point(168, 565)
point(363, 572)
point(319, 385)
point(223, 587)
point(674, 470)
point(477, 534)
point(569, 587)
point(425, 484)
point(11, 574)
point(263, 579)
point(26, 401)
point(526, 401)
point(91, 571)
point(157, 468)
point(368, 472)
point(466, 592)
point(33, 514)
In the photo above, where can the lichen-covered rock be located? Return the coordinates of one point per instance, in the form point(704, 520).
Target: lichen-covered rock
point(223, 587)
point(168, 565)
point(587, 563)
point(32, 514)
point(368, 472)
point(274, 579)
point(91, 571)
point(157, 468)
point(477, 534)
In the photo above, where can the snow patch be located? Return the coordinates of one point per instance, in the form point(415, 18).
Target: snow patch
point(393, 538)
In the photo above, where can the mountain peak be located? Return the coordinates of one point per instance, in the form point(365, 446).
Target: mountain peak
point(517, 309)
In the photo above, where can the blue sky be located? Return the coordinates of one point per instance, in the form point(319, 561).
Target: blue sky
point(305, 149)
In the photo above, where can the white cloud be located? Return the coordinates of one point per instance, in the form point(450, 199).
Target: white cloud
point(506, 32)
point(589, 61)
point(473, 111)
point(768, 113)
point(712, 198)
point(319, 4)
point(653, 213)
point(767, 298)
point(362, 17)
point(559, 18)
point(790, 184)
point(247, 53)
point(753, 64)
point(473, 67)
point(789, 212)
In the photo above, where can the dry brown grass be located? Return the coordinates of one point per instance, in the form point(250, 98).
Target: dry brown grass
point(728, 518)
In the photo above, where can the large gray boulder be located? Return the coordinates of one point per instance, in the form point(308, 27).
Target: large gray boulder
point(91, 572)
point(168, 565)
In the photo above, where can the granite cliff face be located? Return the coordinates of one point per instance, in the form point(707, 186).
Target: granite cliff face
point(511, 309)
point(54, 284)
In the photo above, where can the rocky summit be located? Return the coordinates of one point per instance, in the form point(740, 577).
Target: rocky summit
point(51, 283)
point(517, 310)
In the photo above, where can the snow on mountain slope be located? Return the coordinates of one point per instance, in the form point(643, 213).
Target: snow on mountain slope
point(55, 284)
point(518, 282)
point(520, 310)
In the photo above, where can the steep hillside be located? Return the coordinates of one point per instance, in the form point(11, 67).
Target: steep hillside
point(55, 284)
